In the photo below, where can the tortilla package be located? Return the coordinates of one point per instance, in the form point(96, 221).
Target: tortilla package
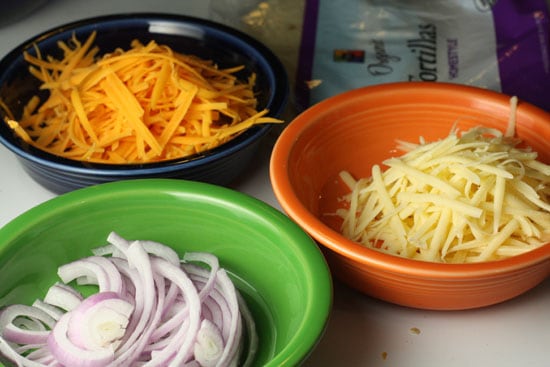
point(502, 45)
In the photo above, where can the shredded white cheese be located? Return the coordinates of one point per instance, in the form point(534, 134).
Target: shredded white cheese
point(466, 198)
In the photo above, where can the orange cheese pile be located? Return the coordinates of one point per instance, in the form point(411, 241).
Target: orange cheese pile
point(144, 104)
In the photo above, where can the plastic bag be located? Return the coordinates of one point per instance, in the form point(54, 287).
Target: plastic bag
point(276, 23)
point(503, 45)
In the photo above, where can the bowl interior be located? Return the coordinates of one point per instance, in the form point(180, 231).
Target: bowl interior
point(205, 39)
point(360, 128)
point(276, 266)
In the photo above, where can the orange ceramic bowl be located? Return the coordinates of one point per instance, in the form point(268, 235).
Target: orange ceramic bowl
point(354, 130)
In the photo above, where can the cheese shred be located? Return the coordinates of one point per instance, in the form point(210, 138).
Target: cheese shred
point(469, 197)
point(140, 105)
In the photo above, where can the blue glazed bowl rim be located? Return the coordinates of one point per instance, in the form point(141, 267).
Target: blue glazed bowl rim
point(276, 103)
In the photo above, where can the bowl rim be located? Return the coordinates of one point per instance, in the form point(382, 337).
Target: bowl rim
point(316, 273)
point(336, 242)
point(277, 102)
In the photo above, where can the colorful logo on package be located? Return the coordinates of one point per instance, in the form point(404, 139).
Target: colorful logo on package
point(349, 56)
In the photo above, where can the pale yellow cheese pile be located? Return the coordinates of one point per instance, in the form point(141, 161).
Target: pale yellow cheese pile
point(466, 198)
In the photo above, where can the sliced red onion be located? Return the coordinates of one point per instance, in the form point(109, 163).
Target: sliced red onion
point(18, 335)
point(53, 311)
point(209, 345)
point(100, 321)
point(139, 260)
point(174, 319)
point(45, 357)
point(151, 247)
point(119, 242)
point(251, 332)
point(7, 350)
point(180, 347)
point(23, 324)
point(92, 270)
point(232, 342)
point(63, 296)
point(114, 283)
point(160, 250)
point(212, 262)
point(150, 311)
point(68, 354)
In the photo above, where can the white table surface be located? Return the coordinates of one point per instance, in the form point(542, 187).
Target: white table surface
point(362, 331)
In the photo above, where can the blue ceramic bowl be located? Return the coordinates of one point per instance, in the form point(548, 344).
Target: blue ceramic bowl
point(205, 39)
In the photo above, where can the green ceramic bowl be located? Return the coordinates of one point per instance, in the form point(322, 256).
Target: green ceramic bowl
point(277, 267)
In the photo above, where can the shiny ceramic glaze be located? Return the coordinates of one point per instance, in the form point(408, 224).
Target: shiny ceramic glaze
point(203, 38)
point(277, 267)
point(359, 128)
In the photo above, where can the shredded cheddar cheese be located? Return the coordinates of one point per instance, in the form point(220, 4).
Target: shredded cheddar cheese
point(466, 198)
point(140, 105)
